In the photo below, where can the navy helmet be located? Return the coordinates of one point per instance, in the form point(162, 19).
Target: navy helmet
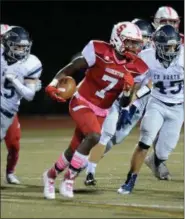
point(147, 30)
point(167, 42)
point(17, 43)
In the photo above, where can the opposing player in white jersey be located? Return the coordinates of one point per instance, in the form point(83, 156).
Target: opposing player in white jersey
point(20, 72)
point(13, 135)
point(165, 109)
point(130, 114)
point(164, 15)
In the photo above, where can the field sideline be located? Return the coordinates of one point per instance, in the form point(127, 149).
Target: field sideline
point(42, 142)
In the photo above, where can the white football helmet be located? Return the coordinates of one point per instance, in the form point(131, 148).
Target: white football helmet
point(126, 36)
point(166, 15)
point(5, 28)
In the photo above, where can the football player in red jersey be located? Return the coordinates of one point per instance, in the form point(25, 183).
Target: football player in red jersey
point(110, 71)
point(167, 15)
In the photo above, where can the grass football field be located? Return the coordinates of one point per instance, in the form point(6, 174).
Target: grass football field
point(40, 147)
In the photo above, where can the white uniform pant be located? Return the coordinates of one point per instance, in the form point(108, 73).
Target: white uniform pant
point(110, 123)
point(125, 131)
point(5, 124)
point(166, 121)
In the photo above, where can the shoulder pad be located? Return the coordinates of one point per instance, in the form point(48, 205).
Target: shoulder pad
point(33, 66)
point(147, 55)
point(137, 67)
point(101, 46)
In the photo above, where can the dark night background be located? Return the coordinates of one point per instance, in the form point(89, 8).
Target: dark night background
point(60, 29)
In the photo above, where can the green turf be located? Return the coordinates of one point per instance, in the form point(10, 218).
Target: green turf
point(39, 149)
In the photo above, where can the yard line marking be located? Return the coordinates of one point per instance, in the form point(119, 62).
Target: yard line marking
point(111, 204)
point(179, 207)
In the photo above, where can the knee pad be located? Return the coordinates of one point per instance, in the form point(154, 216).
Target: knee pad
point(146, 138)
point(143, 145)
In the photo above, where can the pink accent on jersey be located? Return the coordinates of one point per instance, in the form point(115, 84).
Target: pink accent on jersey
point(97, 110)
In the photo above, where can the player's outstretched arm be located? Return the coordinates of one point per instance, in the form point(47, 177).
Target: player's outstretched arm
point(86, 60)
point(27, 91)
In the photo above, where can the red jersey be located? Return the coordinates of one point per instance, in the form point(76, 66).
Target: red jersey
point(106, 76)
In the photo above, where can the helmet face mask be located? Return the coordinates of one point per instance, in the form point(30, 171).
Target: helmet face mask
point(133, 45)
point(17, 44)
point(167, 52)
point(19, 51)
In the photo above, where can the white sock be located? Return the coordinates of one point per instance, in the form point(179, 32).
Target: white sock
point(91, 168)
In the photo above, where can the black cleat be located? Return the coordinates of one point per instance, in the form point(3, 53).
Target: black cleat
point(90, 180)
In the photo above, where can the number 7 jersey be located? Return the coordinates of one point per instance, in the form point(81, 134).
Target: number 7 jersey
point(168, 83)
point(106, 76)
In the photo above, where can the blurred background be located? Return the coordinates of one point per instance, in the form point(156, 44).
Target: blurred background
point(60, 29)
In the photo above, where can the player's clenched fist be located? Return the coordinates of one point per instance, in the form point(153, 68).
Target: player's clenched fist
point(128, 84)
point(54, 93)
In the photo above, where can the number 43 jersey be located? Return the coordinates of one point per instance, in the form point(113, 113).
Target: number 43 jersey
point(106, 76)
point(168, 83)
point(28, 69)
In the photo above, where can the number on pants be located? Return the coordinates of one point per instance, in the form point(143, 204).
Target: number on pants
point(113, 82)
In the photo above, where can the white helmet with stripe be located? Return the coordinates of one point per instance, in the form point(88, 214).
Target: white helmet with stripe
point(166, 15)
point(5, 28)
point(126, 36)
